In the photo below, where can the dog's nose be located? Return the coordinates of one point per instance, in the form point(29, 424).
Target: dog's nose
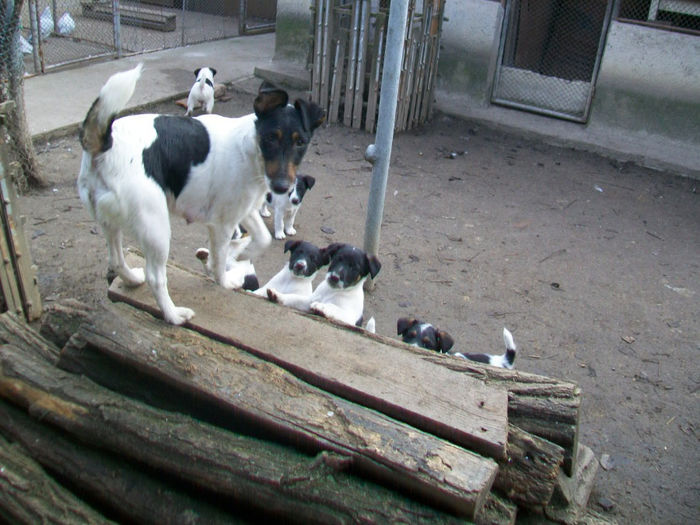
point(279, 186)
point(300, 265)
point(295, 201)
point(333, 278)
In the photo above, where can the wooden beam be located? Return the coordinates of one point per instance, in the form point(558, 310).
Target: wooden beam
point(464, 410)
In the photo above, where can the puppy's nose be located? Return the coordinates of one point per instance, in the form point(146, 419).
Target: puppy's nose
point(295, 201)
point(333, 278)
point(300, 265)
point(279, 186)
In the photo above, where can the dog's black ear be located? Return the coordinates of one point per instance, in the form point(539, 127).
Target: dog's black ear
point(291, 245)
point(402, 325)
point(196, 71)
point(309, 181)
point(213, 71)
point(312, 115)
point(269, 98)
point(374, 265)
point(445, 341)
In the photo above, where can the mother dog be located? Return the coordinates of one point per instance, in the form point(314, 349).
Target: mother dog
point(210, 169)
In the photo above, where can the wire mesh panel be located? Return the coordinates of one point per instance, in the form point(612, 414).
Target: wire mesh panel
point(549, 55)
point(59, 32)
point(681, 15)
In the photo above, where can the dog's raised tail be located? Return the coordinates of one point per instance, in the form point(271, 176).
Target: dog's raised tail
point(96, 131)
point(510, 347)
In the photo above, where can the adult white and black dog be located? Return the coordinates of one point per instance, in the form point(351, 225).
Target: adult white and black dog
point(208, 169)
point(202, 92)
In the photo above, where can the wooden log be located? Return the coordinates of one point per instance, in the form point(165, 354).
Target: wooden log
point(29, 495)
point(61, 320)
point(497, 511)
point(352, 64)
point(358, 104)
point(337, 81)
point(234, 386)
point(114, 484)
point(376, 72)
point(529, 476)
point(571, 494)
point(272, 478)
point(14, 330)
point(453, 406)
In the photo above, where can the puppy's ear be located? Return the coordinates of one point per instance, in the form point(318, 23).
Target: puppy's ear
point(196, 71)
point(291, 245)
point(312, 115)
point(402, 325)
point(374, 265)
point(331, 249)
point(309, 181)
point(213, 71)
point(445, 341)
point(269, 98)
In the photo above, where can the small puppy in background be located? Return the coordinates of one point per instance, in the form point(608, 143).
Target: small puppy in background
point(340, 295)
point(425, 335)
point(286, 206)
point(296, 277)
point(202, 92)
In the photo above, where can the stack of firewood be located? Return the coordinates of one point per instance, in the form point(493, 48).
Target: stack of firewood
point(347, 60)
point(109, 413)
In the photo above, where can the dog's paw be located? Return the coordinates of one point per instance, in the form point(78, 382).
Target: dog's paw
point(133, 276)
point(318, 309)
point(202, 254)
point(264, 212)
point(179, 315)
point(290, 231)
point(280, 235)
point(272, 295)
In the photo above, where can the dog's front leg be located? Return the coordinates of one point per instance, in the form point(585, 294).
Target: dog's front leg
point(259, 235)
point(299, 302)
point(219, 240)
point(334, 312)
point(289, 221)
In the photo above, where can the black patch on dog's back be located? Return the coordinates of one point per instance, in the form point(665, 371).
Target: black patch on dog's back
point(182, 143)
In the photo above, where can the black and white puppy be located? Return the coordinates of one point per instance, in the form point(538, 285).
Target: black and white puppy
point(296, 277)
point(241, 273)
point(340, 295)
point(202, 92)
point(286, 207)
point(137, 169)
point(425, 335)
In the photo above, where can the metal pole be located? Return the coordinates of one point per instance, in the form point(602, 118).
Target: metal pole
point(116, 19)
point(379, 153)
point(182, 23)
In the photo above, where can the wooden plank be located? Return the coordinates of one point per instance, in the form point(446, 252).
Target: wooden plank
point(337, 81)
point(376, 72)
point(572, 493)
point(318, 38)
point(326, 53)
point(268, 476)
point(185, 369)
point(135, 16)
point(358, 104)
point(352, 64)
point(458, 408)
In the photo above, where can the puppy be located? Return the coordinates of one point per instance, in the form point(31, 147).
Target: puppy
point(505, 360)
point(296, 277)
point(286, 207)
point(425, 335)
point(209, 169)
point(241, 273)
point(340, 295)
point(202, 92)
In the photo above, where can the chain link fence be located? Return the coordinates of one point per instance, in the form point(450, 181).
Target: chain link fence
point(681, 15)
point(59, 32)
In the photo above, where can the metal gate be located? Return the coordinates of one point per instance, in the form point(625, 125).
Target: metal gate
point(549, 55)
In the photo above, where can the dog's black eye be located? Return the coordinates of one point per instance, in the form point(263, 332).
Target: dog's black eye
point(301, 142)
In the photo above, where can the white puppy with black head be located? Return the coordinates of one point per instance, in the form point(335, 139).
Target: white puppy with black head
point(297, 276)
point(340, 295)
point(138, 169)
point(202, 92)
point(286, 207)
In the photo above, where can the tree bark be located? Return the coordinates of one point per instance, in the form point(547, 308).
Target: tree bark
point(270, 477)
point(29, 495)
point(111, 482)
point(12, 69)
point(16, 331)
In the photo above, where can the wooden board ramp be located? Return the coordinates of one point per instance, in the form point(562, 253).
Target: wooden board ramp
point(461, 409)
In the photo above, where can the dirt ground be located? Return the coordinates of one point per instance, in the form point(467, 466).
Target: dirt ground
point(591, 263)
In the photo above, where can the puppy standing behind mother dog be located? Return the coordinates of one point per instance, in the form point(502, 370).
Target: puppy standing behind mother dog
point(208, 169)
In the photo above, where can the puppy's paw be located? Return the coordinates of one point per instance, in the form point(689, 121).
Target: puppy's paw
point(133, 276)
point(202, 254)
point(272, 295)
point(280, 235)
point(264, 212)
point(290, 231)
point(318, 309)
point(179, 315)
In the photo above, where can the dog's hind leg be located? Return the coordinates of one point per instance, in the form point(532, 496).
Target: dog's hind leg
point(117, 264)
point(219, 241)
